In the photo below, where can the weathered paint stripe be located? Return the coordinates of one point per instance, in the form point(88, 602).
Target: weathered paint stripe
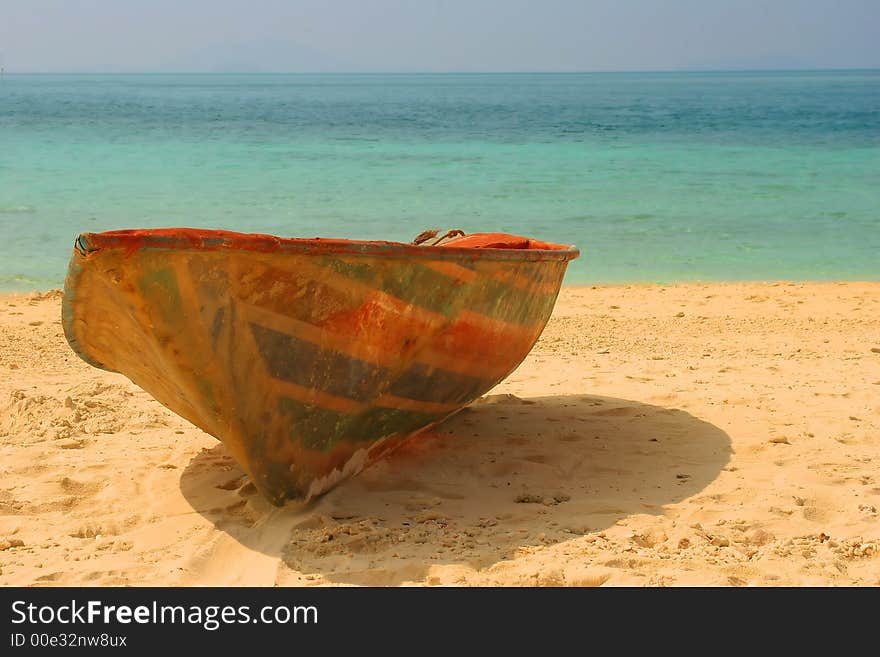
point(320, 269)
point(452, 270)
point(312, 426)
point(411, 282)
point(376, 354)
point(404, 404)
point(320, 428)
point(429, 384)
point(431, 288)
point(501, 302)
point(306, 365)
point(308, 296)
point(380, 422)
point(462, 346)
point(314, 397)
point(489, 325)
point(525, 283)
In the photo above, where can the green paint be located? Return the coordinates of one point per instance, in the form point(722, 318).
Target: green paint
point(320, 428)
point(409, 281)
point(158, 287)
point(416, 284)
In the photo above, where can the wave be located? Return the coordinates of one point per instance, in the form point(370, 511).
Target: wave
point(17, 209)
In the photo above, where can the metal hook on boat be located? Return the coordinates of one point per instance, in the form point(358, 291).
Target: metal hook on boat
point(431, 233)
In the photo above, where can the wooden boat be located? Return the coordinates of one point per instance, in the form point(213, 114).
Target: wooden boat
point(308, 358)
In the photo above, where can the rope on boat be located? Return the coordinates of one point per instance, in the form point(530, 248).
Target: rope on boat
point(422, 238)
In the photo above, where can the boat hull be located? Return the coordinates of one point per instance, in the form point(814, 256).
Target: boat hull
point(307, 358)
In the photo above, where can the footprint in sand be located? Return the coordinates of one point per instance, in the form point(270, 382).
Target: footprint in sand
point(95, 531)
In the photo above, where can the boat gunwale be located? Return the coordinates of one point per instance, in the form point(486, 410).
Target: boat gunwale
point(219, 240)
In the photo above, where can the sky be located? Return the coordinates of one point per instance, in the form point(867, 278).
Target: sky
point(436, 35)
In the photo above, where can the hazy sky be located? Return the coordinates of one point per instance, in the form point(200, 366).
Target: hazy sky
point(436, 35)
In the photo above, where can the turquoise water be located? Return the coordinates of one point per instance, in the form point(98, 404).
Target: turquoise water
point(656, 177)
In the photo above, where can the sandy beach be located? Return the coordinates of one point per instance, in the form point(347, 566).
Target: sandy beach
point(698, 434)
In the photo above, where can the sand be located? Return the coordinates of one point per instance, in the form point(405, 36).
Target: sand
point(718, 434)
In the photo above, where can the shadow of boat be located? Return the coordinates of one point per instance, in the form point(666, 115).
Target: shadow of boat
point(473, 491)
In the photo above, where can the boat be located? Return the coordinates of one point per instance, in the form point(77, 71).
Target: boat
point(309, 358)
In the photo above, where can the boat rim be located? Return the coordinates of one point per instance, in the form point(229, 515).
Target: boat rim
point(220, 240)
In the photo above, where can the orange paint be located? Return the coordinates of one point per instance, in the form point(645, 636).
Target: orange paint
point(133, 240)
point(307, 368)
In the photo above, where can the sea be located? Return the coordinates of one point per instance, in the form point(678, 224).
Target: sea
point(656, 177)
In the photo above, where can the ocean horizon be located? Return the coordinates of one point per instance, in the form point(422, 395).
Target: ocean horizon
point(663, 176)
point(636, 71)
